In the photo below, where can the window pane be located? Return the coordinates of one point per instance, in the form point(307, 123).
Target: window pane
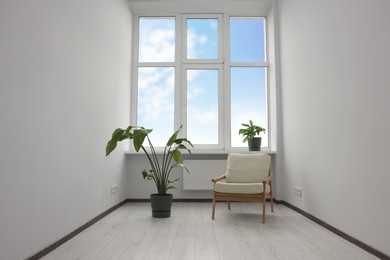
point(247, 40)
point(156, 102)
point(202, 106)
point(248, 102)
point(202, 38)
point(156, 40)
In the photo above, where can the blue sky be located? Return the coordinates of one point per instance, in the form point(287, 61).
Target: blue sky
point(156, 85)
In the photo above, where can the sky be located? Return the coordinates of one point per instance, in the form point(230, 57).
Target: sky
point(156, 85)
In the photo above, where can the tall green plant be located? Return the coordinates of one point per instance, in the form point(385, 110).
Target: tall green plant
point(160, 169)
point(250, 131)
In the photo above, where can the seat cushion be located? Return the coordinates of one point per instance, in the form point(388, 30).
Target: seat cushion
point(247, 168)
point(240, 188)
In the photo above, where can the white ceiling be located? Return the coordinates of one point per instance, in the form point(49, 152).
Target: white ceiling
point(166, 7)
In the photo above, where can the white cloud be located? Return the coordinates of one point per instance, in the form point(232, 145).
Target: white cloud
point(156, 93)
point(203, 125)
point(157, 40)
point(213, 23)
point(208, 116)
point(202, 39)
point(193, 42)
point(194, 92)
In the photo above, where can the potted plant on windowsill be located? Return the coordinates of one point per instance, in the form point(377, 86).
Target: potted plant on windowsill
point(160, 168)
point(250, 132)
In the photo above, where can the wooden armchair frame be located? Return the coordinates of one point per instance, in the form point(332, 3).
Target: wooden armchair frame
point(219, 196)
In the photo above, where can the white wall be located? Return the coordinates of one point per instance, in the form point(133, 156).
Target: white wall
point(64, 86)
point(274, 95)
point(138, 188)
point(335, 104)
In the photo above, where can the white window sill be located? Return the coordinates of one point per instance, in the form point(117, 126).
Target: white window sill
point(210, 151)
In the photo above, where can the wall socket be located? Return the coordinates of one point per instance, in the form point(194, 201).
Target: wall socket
point(297, 191)
point(114, 189)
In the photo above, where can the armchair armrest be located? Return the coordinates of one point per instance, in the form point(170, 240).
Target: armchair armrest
point(218, 178)
point(269, 178)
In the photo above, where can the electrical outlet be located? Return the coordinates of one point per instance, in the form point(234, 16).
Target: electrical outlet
point(297, 191)
point(114, 189)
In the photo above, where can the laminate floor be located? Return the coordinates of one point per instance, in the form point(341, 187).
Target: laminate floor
point(131, 233)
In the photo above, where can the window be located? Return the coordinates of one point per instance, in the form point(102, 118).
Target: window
point(248, 76)
point(155, 76)
point(207, 72)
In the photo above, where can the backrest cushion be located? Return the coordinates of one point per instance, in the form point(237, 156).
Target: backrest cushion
point(247, 168)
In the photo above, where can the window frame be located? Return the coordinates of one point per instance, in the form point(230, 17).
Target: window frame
point(219, 67)
point(229, 65)
point(219, 17)
point(181, 64)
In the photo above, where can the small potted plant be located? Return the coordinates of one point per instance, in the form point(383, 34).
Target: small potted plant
point(160, 167)
point(250, 132)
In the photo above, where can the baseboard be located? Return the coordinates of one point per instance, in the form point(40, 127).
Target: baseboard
point(336, 231)
point(174, 200)
point(53, 246)
point(192, 200)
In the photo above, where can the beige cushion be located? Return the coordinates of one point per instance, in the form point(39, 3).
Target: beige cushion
point(247, 168)
point(241, 188)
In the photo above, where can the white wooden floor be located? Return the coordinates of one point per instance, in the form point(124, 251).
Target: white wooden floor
point(131, 233)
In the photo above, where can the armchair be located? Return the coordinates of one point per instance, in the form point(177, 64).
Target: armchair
point(248, 178)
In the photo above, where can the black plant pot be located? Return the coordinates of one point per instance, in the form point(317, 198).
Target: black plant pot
point(161, 205)
point(254, 144)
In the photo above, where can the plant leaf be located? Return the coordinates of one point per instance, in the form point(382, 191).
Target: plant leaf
point(146, 175)
point(117, 133)
point(110, 146)
point(171, 187)
point(171, 181)
point(185, 168)
point(176, 154)
point(139, 137)
point(173, 138)
point(181, 140)
point(125, 135)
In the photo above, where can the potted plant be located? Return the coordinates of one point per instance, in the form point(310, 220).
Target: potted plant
point(250, 132)
point(160, 167)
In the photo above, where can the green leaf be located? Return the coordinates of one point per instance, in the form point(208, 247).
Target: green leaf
point(176, 154)
point(181, 140)
point(171, 181)
point(171, 187)
point(189, 142)
point(146, 175)
point(139, 137)
point(183, 147)
point(129, 128)
point(110, 146)
point(173, 138)
point(125, 135)
point(117, 134)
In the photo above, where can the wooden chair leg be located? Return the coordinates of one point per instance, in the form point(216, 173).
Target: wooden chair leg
point(264, 208)
point(228, 204)
point(213, 213)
